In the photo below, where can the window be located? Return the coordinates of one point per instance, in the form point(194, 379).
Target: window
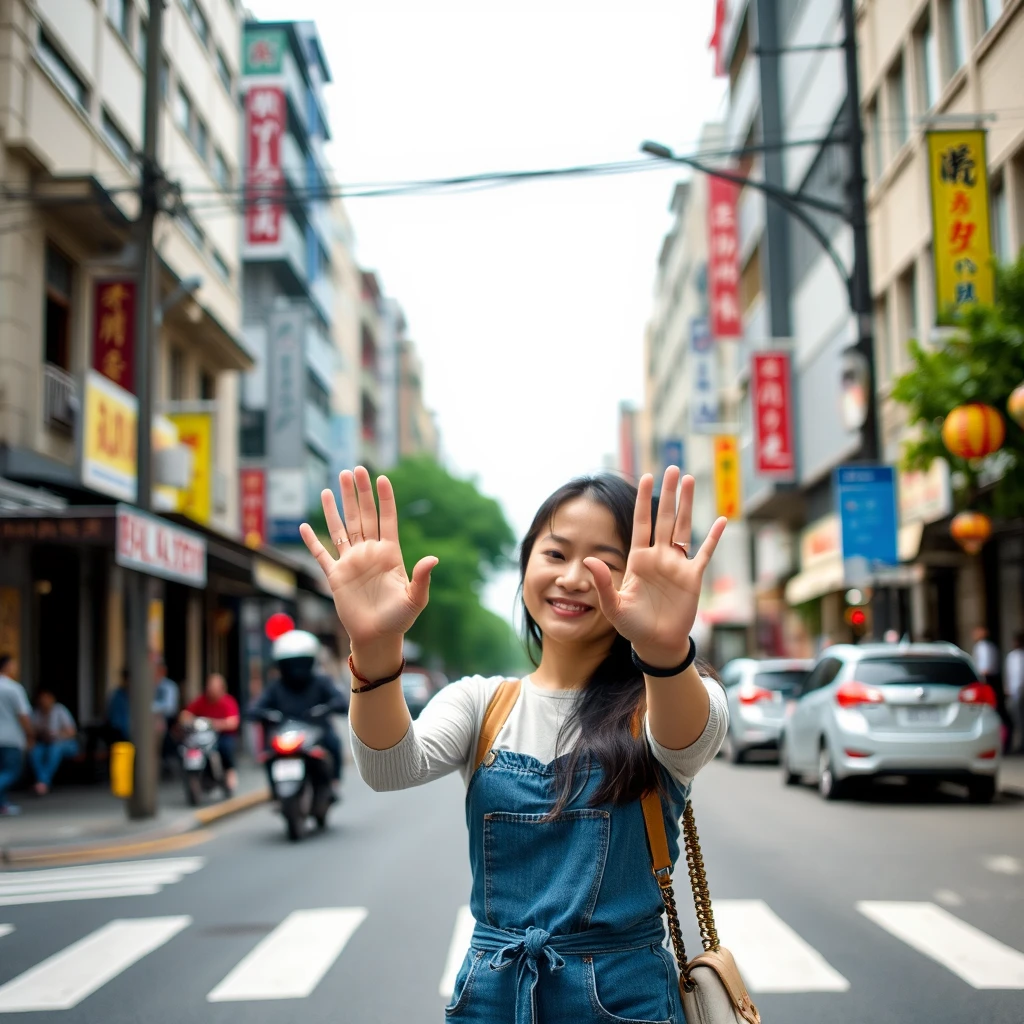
point(876, 158)
point(1000, 223)
point(53, 60)
point(992, 10)
point(182, 110)
point(221, 171)
point(896, 90)
point(954, 17)
point(201, 138)
point(906, 312)
point(165, 78)
point(882, 339)
point(190, 227)
point(739, 53)
point(141, 42)
point(221, 264)
point(223, 71)
point(822, 674)
point(176, 375)
point(317, 393)
point(928, 63)
point(198, 20)
point(120, 14)
point(907, 671)
point(60, 274)
point(117, 139)
point(207, 386)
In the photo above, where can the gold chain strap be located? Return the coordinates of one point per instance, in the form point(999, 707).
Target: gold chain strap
point(675, 933)
point(699, 883)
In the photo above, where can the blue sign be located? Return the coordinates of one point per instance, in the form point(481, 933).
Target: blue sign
point(284, 531)
point(703, 370)
point(866, 496)
point(672, 454)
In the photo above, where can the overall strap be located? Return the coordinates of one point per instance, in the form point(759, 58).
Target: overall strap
point(495, 716)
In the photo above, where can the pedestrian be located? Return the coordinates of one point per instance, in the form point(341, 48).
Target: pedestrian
point(55, 738)
point(1014, 677)
point(986, 660)
point(568, 913)
point(118, 725)
point(165, 707)
point(15, 730)
point(220, 709)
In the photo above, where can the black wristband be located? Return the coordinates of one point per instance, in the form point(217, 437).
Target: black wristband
point(664, 673)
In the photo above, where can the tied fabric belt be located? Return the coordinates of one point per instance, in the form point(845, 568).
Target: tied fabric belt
point(526, 949)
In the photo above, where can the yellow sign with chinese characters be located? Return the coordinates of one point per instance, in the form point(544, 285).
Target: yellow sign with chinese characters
point(108, 437)
point(961, 243)
point(727, 476)
point(196, 430)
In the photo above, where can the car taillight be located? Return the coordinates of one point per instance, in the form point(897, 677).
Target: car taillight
point(753, 694)
point(978, 693)
point(288, 742)
point(852, 694)
point(988, 755)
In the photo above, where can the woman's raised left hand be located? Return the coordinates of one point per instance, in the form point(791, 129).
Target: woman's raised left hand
point(656, 605)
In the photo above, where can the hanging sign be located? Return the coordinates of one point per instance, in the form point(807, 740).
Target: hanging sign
point(727, 476)
point(961, 243)
point(252, 484)
point(770, 394)
point(113, 335)
point(723, 261)
point(703, 379)
point(108, 437)
point(265, 119)
point(195, 429)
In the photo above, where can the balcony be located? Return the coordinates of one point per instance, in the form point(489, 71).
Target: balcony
point(322, 292)
point(369, 384)
point(293, 163)
point(60, 399)
point(317, 430)
point(322, 357)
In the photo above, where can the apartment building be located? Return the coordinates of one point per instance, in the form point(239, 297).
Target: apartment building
point(372, 316)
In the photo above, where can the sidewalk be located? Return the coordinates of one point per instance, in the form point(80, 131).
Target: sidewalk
point(1011, 775)
point(87, 820)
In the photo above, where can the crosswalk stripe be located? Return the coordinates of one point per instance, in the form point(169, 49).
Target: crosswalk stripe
point(66, 978)
point(982, 961)
point(291, 960)
point(6, 929)
point(461, 935)
point(79, 894)
point(172, 867)
point(770, 955)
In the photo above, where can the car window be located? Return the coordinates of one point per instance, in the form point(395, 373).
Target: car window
point(822, 674)
point(915, 669)
point(731, 674)
point(789, 683)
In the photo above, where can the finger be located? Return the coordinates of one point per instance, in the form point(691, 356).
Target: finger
point(316, 549)
point(335, 527)
point(419, 585)
point(367, 505)
point(388, 509)
point(667, 507)
point(707, 549)
point(683, 531)
point(350, 505)
point(642, 513)
point(607, 595)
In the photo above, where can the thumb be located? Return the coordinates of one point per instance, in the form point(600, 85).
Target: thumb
point(419, 585)
point(607, 595)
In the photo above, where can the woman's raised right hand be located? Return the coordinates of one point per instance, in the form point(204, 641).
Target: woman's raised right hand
point(373, 594)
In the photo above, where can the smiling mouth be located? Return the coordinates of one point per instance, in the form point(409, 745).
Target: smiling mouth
point(569, 608)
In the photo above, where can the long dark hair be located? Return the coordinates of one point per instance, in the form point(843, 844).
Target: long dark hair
point(614, 695)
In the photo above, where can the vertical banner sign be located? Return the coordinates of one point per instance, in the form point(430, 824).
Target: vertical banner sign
point(195, 429)
point(252, 499)
point(717, 42)
point(703, 379)
point(727, 476)
point(723, 261)
point(770, 395)
point(264, 128)
point(108, 437)
point(286, 445)
point(113, 334)
point(961, 243)
point(672, 454)
point(866, 496)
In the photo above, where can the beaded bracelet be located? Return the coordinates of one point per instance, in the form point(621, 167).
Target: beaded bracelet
point(372, 684)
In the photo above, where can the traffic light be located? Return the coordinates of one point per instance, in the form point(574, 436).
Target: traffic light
point(855, 616)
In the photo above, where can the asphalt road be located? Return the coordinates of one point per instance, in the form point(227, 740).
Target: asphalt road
point(894, 908)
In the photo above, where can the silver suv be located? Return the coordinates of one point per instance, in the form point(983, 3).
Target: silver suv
point(885, 709)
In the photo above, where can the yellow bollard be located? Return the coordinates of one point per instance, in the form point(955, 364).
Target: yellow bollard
point(122, 769)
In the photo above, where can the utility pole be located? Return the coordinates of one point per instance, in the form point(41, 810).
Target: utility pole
point(138, 589)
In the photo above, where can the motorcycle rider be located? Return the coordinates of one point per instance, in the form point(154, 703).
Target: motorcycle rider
point(301, 689)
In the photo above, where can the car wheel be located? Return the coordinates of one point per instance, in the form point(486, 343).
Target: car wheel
point(829, 786)
point(734, 753)
point(981, 789)
point(789, 777)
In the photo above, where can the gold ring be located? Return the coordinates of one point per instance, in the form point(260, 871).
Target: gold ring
point(340, 541)
point(353, 533)
point(683, 544)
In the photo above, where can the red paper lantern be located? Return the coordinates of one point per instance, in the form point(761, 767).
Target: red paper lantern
point(278, 624)
point(970, 530)
point(973, 431)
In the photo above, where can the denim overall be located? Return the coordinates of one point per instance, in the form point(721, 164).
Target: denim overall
point(569, 915)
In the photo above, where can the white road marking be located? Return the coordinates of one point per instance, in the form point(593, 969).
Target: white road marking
point(949, 898)
point(6, 929)
point(1004, 864)
point(982, 961)
point(66, 978)
point(461, 934)
point(770, 955)
point(291, 960)
point(80, 894)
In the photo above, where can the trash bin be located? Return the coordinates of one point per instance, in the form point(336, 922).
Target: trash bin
point(122, 769)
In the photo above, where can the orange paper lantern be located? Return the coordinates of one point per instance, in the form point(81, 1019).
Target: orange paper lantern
point(970, 530)
point(973, 431)
point(1015, 405)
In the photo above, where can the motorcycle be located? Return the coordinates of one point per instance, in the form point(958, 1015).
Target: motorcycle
point(300, 769)
point(202, 768)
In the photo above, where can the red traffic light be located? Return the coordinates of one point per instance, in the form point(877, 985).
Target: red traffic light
point(856, 617)
point(278, 624)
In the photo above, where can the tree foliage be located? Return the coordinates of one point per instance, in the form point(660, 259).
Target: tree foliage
point(444, 516)
point(982, 362)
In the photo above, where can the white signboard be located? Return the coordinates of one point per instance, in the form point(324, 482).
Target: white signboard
point(158, 548)
point(703, 370)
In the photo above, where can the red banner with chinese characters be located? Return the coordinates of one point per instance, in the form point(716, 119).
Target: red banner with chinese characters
point(265, 122)
point(723, 261)
point(253, 503)
point(113, 333)
point(771, 399)
point(717, 42)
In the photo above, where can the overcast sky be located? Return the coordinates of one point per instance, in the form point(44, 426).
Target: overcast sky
point(527, 303)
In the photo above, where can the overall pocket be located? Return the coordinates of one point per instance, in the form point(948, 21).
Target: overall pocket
point(544, 873)
point(637, 986)
point(464, 982)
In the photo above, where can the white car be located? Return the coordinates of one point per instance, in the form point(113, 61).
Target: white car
point(885, 709)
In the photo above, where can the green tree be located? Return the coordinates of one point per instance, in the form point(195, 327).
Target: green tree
point(445, 516)
point(982, 362)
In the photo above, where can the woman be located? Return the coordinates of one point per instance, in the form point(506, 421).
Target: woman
point(55, 733)
point(568, 912)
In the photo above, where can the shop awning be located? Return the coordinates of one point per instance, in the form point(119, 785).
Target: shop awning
point(826, 577)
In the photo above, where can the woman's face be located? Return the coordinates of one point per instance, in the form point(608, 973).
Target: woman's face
point(558, 589)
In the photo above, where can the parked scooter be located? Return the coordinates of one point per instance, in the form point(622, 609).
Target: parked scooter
point(202, 768)
point(300, 768)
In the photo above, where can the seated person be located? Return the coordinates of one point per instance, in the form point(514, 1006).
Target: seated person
point(220, 709)
point(55, 733)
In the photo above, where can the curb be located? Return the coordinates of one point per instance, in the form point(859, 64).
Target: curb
point(190, 830)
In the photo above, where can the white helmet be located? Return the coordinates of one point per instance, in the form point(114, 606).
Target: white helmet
point(296, 643)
